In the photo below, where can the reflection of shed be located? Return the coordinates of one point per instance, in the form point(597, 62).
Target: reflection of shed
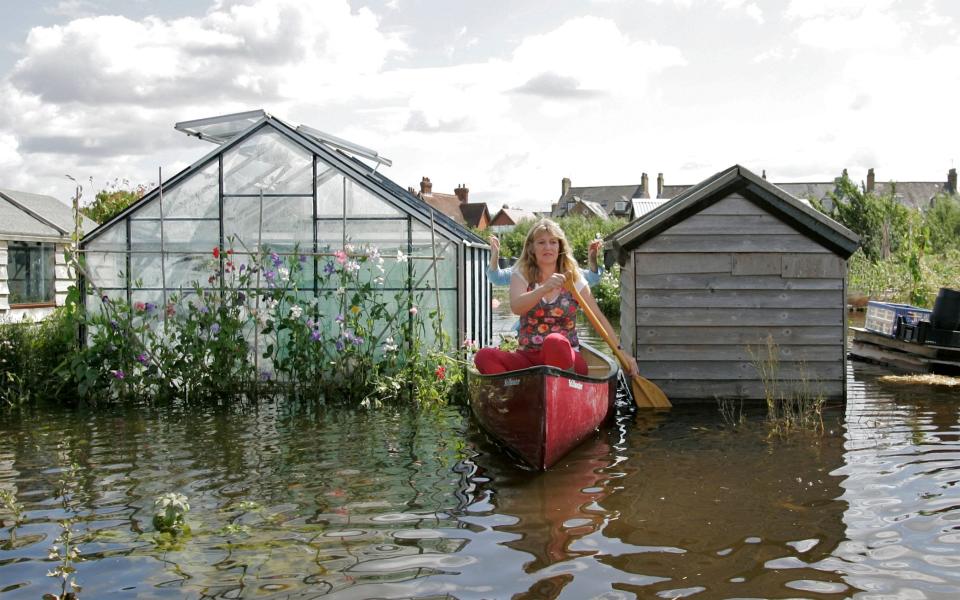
point(728, 264)
point(35, 231)
point(287, 187)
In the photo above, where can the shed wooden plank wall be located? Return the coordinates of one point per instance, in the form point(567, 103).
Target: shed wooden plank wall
point(712, 288)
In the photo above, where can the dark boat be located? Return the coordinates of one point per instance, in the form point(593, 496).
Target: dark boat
point(541, 413)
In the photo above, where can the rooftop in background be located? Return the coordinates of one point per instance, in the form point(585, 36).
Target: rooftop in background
point(34, 217)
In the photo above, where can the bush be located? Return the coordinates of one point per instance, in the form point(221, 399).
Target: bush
point(29, 351)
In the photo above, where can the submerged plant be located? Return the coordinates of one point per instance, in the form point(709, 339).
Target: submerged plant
point(170, 512)
point(65, 550)
point(791, 404)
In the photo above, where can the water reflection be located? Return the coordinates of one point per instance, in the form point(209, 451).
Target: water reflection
point(293, 502)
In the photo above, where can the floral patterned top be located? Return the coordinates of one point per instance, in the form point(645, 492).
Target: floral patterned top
point(557, 316)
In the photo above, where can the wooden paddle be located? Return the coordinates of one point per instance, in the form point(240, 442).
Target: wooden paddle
point(645, 392)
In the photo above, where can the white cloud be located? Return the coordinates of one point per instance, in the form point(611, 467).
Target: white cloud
point(870, 29)
point(9, 156)
point(808, 9)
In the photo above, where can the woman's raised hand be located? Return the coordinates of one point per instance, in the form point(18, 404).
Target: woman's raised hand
point(554, 281)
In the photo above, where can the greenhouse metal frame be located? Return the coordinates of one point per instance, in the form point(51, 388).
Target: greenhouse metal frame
point(292, 191)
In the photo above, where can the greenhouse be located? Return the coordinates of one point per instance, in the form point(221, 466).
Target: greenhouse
point(269, 187)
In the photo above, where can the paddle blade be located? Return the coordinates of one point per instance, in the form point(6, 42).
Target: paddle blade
point(648, 395)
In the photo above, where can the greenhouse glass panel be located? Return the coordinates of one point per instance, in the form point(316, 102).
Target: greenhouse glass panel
point(361, 203)
point(197, 196)
point(184, 270)
point(106, 269)
point(286, 222)
point(179, 236)
point(329, 191)
point(145, 271)
point(270, 162)
point(114, 238)
point(423, 249)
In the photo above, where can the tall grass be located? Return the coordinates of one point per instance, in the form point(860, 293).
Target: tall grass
point(792, 405)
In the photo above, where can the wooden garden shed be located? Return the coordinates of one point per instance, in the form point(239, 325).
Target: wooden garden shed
point(731, 265)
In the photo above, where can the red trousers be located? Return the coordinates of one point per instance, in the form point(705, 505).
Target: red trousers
point(556, 352)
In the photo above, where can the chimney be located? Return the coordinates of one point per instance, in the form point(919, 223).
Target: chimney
point(462, 191)
point(644, 184)
point(764, 174)
point(564, 186)
point(871, 180)
point(425, 186)
point(659, 185)
point(952, 181)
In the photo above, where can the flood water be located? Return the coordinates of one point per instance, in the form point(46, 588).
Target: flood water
point(288, 502)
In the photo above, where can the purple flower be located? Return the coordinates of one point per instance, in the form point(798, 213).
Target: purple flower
point(118, 374)
point(357, 340)
point(303, 258)
point(215, 329)
point(149, 306)
point(315, 335)
point(269, 275)
point(339, 319)
point(309, 323)
point(142, 358)
point(204, 309)
point(329, 268)
point(266, 375)
point(339, 345)
point(114, 324)
point(275, 259)
point(242, 267)
point(241, 296)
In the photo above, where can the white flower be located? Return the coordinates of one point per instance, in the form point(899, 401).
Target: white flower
point(341, 291)
point(283, 273)
point(295, 311)
point(389, 346)
point(401, 257)
point(378, 280)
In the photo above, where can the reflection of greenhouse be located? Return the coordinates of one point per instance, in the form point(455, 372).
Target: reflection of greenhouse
point(288, 189)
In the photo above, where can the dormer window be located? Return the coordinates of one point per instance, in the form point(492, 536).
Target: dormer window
point(570, 205)
point(620, 206)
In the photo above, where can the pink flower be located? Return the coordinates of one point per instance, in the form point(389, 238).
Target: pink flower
point(413, 310)
point(441, 372)
point(216, 251)
point(340, 256)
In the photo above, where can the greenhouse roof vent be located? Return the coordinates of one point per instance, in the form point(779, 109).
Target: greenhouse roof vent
point(342, 144)
point(223, 128)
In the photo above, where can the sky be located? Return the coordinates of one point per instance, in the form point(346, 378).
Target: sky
point(505, 96)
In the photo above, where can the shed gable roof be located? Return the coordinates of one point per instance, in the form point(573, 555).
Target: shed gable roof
point(37, 215)
point(737, 179)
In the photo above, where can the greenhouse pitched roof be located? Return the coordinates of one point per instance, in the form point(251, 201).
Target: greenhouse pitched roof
point(338, 153)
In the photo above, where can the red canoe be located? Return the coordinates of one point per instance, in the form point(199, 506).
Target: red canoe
point(541, 413)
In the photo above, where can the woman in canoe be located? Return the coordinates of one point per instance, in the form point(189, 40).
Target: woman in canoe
point(548, 311)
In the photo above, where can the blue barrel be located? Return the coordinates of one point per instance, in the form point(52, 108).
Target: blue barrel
point(946, 310)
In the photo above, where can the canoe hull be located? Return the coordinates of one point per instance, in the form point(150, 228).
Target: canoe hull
point(542, 413)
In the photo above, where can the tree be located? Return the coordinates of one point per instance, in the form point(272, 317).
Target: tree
point(943, 221)
point(112, 200)
point(881, 222)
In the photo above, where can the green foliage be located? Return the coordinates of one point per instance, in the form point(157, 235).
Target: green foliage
point(353, 342)
point(880, 221)
point(170, 511)
point(943, 223)
point(607, 292)
point(28, 350)
point(580, 231)
point(912, 279)
point(112, 200)
point(791, 405)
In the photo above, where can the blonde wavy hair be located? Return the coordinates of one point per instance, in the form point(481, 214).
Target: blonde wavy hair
point(566, 264)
